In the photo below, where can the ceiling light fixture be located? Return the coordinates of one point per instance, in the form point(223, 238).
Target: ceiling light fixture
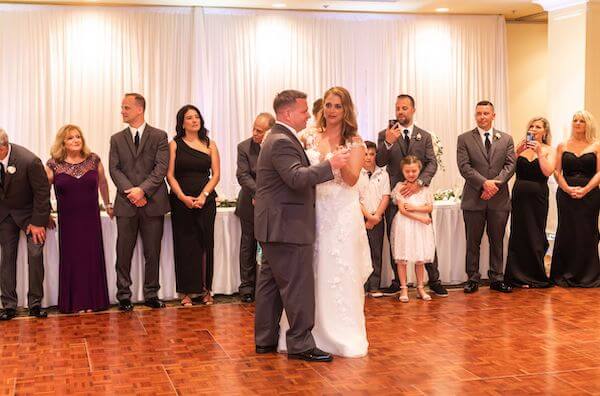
point(442, 9)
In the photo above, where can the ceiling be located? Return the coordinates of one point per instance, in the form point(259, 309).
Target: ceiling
point(511, 9)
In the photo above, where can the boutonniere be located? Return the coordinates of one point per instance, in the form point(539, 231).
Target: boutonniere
point(11, 169)
point(418, 137)
point(497, 136)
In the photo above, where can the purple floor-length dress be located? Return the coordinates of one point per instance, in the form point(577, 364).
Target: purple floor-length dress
point(82, 272)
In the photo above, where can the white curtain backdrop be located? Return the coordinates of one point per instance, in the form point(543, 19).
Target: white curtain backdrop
point(71, 64)
point(62, 65)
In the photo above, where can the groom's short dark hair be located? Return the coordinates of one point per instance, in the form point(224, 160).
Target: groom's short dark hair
point(287, 98)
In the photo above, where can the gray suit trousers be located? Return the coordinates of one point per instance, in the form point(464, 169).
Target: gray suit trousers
point(9, 243)
point(475, 222)
point(247, 258)
point(151, 230)
point(285, 281)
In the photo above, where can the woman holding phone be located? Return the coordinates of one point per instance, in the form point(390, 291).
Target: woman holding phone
point(528, 244)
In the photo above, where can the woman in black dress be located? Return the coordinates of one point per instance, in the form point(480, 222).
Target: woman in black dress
point(193, 174)
point(575, 259)
point(528, 243)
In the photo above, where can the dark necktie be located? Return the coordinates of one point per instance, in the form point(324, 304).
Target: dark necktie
point(369, 173)
point(488, 144)
point(406, 138)
point(136, 140)
point(2, 174)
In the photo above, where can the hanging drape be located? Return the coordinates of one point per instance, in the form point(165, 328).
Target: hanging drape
point(71, 64)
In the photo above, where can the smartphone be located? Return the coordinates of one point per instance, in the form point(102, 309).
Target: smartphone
point(392, 123)
point(530, 137)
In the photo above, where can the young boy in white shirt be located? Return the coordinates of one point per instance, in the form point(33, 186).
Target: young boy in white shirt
point(374, 190)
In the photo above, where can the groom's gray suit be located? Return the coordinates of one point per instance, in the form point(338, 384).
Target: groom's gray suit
point(284, 224)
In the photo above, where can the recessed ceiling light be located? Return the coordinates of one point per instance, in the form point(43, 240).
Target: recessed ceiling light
point(279, 5)
point(442, 9)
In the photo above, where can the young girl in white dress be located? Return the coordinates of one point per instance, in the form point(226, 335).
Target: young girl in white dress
point(412, 237)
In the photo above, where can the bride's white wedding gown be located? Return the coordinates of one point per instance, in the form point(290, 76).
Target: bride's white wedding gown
point(342, 264)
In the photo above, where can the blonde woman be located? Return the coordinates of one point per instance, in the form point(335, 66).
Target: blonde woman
point(77, 175)
point(575, 261)
point(528, 243)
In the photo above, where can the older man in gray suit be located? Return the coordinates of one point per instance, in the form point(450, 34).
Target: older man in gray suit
point(247, 156)
point(139, 156)
point(24, 205)
point(284, 223)
point(486, 159)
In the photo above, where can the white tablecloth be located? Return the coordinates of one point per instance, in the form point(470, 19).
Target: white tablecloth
point(451, 247)
point(226, 277)
point(449, 236)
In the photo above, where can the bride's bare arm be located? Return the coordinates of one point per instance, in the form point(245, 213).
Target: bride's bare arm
point(351, 172)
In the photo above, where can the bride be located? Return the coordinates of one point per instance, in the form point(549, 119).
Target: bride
point(342, 260)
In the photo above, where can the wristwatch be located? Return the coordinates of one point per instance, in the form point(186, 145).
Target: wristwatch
point(420, 182)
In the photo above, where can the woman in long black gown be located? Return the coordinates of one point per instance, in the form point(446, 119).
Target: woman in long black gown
point(194, 171)
point(575, 259)
point(528, 243)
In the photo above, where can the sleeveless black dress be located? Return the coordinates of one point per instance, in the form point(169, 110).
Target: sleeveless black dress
point(575, 259)
point(193, 229)
point(528, 243)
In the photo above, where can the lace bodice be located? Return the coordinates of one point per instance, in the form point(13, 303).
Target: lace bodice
point(311, 139)
point(74, 170)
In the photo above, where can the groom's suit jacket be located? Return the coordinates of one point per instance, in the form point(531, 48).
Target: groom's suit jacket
point(285, 190)
point(476, 166)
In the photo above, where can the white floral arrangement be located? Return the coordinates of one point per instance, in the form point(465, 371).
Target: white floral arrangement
point(438, 150)
point(223, 202)
point(448, 194)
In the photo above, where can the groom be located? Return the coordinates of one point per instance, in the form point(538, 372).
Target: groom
point(284, 224)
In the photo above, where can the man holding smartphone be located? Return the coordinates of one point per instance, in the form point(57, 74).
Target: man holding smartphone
point(400, 139)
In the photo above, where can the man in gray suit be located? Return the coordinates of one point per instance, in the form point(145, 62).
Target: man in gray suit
point(486, 159)
point(284, 223)
point(246, 175)
point(24, 205)
point(139, 156)
point(400, 139)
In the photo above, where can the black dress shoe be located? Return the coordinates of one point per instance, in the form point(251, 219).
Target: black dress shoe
point(471, 287)
point(125, 305)
point(392, 290)
point(501, 287)
point(312, 355)
point(154, 302)
point(247, 298)
point(8, 314)
point(38, 313)
point(438, 289)
point(266, 349)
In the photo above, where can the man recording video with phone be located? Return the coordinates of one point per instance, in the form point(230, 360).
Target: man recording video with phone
point(400, 139)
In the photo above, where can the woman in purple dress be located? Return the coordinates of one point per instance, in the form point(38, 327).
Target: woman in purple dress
point(77, 175)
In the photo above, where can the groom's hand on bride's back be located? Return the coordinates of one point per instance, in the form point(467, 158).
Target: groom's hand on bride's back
point(340, 158)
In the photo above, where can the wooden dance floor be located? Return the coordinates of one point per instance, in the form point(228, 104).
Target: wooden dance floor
point(528, 342)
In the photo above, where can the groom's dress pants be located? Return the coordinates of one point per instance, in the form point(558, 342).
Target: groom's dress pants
point(285, 281)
